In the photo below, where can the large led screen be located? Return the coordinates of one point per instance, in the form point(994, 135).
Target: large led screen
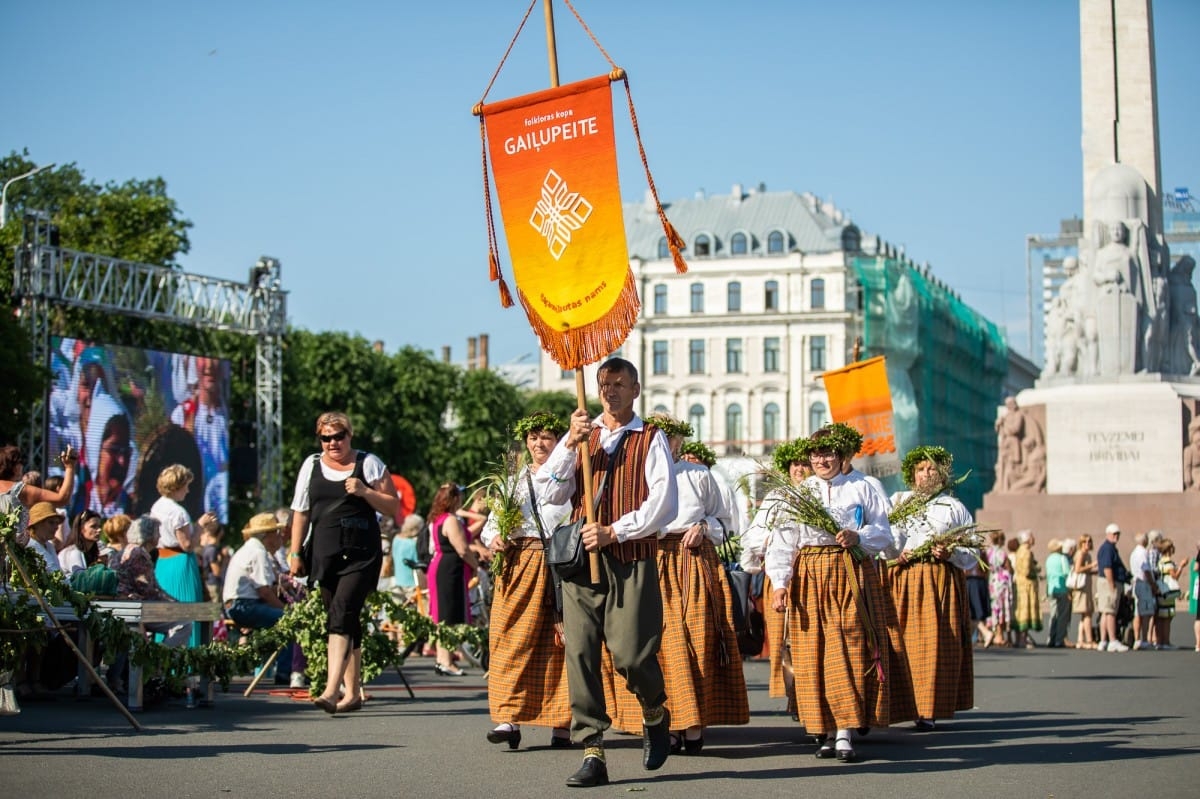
point(130, 413)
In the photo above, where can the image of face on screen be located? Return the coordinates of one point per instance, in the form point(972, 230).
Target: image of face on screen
point(200, 386)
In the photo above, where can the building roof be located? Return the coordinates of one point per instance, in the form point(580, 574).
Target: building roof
point(811, 225)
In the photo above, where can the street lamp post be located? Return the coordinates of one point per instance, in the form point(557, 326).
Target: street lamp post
point(4, 192)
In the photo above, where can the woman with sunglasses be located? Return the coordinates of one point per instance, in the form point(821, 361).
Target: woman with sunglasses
point(338, 493)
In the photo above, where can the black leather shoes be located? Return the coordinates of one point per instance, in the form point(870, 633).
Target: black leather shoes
point(847, 756)
point(510, 736)
point(693, 747)
point(559, 743)
point(656, 742)
point(593, 772)
point(826, 749)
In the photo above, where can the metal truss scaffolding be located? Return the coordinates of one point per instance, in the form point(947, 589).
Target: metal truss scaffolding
point(48, 275)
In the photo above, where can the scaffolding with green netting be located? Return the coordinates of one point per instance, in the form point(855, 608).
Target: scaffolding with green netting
point(946, 366)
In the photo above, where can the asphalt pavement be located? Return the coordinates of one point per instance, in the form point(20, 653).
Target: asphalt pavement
point(1047, 723)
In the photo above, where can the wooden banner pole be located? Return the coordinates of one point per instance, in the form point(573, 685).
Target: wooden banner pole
point(580, 389)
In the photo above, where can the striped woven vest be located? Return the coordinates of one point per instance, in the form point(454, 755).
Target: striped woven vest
point(624, 491)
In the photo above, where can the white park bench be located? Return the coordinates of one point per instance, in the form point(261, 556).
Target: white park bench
point(136, 614)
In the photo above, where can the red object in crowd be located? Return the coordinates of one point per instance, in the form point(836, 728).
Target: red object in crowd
point(408, 498)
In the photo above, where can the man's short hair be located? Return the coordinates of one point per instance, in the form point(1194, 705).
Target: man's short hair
point(618, 365)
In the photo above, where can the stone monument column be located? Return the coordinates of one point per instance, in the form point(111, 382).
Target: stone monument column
point(1120, 98)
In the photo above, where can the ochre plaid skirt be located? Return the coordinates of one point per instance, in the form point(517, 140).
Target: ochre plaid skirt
point(934, 618)
point(702, 667)
point(836, 661)
point(527, 678)
point(701, 664)
point(774, 622)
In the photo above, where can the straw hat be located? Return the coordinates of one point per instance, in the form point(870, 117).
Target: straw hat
point(40, 512)
point(260, 524)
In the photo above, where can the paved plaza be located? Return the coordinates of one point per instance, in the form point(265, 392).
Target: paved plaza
point(1047, 723)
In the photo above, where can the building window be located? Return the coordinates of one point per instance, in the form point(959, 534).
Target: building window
point(566, 374)
point(816, 353)
point(734, 295)
point(696, 420)
point(770, 422)
point(816, 293)
point(660, 299)
point(733, 355)
point(697, 298)
point(817, 417)
point(738, 244)
point(733, 428)
point(771, 296)
point(696, 356)
point(664, 249)
point(660, 358)
point(774, 243)
point(703, 245)
point(662, 410)
point(771, 354)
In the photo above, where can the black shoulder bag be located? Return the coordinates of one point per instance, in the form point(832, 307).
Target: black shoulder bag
point(748, 622)
point(553, 585)
point(564, 550)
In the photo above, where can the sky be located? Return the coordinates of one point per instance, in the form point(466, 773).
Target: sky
point(338, 137)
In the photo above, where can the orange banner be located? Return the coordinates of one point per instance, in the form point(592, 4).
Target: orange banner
point(859, 396)
point(554, 164)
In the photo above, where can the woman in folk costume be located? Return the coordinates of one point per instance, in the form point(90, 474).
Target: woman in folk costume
point(527, 680)
point(823, 568)
point(927, 585)
point(699, 654)
point(790, 458)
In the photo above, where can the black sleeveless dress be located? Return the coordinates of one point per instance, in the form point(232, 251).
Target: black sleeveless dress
point(345, 529)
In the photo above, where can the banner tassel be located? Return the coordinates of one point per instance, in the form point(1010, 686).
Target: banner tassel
point(675, 244)
point(493, 266)
point(506, 300)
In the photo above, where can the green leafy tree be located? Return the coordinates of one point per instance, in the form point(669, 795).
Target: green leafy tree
point(135, 220)
point(484, 410)
point(560, 403)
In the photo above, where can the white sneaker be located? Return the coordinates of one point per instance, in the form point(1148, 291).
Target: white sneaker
point(1117, 646)
point(297, 680)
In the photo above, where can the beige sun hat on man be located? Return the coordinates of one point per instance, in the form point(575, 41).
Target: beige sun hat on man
point(40, 511)
point(260, 524)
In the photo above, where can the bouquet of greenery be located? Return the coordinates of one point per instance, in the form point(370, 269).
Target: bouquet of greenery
point(501, 484)
point(908, 508)
point(799, 503)
point(966, 536)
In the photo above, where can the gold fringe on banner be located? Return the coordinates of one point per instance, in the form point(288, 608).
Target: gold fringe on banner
point(571, 349)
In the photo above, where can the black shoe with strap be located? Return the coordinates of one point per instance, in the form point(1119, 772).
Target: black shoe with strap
point(656, 742)
point(593, 772)
point(510, 736)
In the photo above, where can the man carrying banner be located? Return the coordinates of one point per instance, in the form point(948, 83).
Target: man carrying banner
point(624, 609)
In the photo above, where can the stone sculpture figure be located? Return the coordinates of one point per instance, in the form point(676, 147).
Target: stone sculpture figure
point(1119, 302)
point(1071, 326)
point(1032, 479)
point(1184, 350)
point(1156, 334)
point(1191, 457)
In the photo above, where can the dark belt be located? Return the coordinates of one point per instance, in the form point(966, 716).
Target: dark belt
point(526, 542)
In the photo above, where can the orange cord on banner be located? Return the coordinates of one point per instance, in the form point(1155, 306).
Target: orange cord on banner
point(675, 242)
